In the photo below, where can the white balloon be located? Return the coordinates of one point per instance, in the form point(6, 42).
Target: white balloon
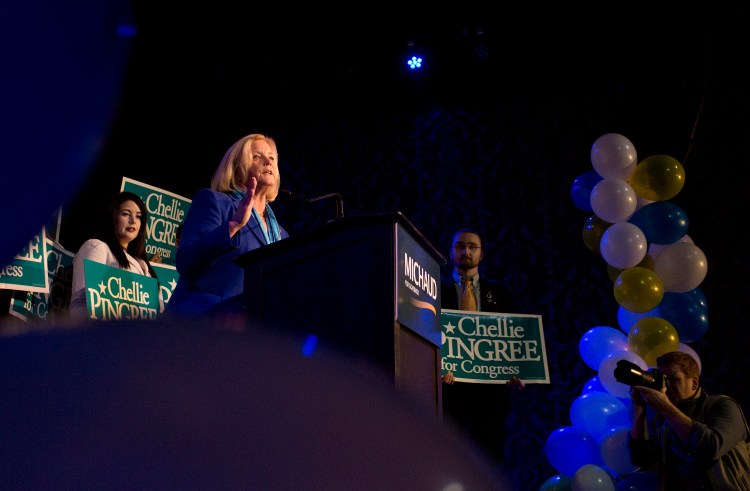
point(612, 155)
point(613, 200)
point(681, 266)
point(626, 172)
point(641, 202)
point(600, 341)
point(655, 249)
point(614, 450)
point(623, 245)
point(687, 349)
point(607, 372)
point(590, 477)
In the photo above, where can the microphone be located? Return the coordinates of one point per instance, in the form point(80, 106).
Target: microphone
point(289, 194)
point(339, 200)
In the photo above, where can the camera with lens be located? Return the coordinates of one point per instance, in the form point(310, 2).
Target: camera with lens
point(631, 374)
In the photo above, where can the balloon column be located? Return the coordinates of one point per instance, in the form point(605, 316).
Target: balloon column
point(656, 269)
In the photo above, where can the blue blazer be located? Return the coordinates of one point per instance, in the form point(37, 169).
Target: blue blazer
point(205, 256)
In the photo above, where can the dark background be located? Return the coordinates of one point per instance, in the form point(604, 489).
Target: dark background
point(491, 135)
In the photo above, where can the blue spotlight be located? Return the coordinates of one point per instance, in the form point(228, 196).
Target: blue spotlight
point(415, 62)
point(308, 347)
point(126, 30)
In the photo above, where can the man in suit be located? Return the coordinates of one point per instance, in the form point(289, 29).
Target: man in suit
point(479, 410)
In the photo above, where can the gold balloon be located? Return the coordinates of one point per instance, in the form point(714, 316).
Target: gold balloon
point(651, 337)
point(593, 229)
point(658, 178)
point(638, 289)
point(647, 262)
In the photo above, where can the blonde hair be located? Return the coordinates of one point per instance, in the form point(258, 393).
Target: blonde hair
point(231, 175)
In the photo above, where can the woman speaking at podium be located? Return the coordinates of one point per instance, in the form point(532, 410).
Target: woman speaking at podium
point(224, 221)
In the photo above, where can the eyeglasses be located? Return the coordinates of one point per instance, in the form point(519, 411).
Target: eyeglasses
point(460, 246)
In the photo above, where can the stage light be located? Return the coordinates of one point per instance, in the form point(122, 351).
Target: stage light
point(310, 345)
point(415, 62)
point(414, 59)
point(481, 48)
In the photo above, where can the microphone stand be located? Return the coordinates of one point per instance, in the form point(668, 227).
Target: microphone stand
point(339, 201)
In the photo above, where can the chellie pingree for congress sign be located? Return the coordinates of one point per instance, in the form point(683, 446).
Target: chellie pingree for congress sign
point(166, 212)
point(117, 294)
point(490, 348)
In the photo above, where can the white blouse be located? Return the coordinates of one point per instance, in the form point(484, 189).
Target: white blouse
point(98, 251)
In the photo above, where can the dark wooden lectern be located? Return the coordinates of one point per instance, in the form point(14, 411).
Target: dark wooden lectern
point(368, 284)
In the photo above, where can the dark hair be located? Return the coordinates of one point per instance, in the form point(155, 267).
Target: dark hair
point(684, 361)
point(106, 231)
point(467, 230)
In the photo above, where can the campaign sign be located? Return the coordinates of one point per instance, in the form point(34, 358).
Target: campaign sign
point(52, 228)
point(167, 276)
point(490, 348)
point(22, 304)
point(60, 266)
point(118, 294)
point(418, 286)
point(28, 270)
point(53, 305)
point(166, 212)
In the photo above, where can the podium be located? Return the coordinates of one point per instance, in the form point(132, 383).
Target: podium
point(366, 284)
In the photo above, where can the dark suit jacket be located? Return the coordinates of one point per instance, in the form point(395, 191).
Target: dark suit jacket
point(494, 296)
point(479, 409)
point(205, 257)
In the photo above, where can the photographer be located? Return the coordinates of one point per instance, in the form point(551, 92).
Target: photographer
point(695, 441)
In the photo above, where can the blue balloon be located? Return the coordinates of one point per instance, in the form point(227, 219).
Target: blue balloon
point(593, 385)
point(626, 319)
point(700, 296)
point(662, 222)
point(600, 341)
point(580, 191)
point(569, 448)
point(559, 482)
point(597, 412)
point(685, 312)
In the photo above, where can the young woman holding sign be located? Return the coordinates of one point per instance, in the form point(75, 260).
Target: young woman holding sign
point(120, 242)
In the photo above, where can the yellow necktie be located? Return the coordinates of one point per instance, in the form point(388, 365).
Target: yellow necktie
point(468, 300)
